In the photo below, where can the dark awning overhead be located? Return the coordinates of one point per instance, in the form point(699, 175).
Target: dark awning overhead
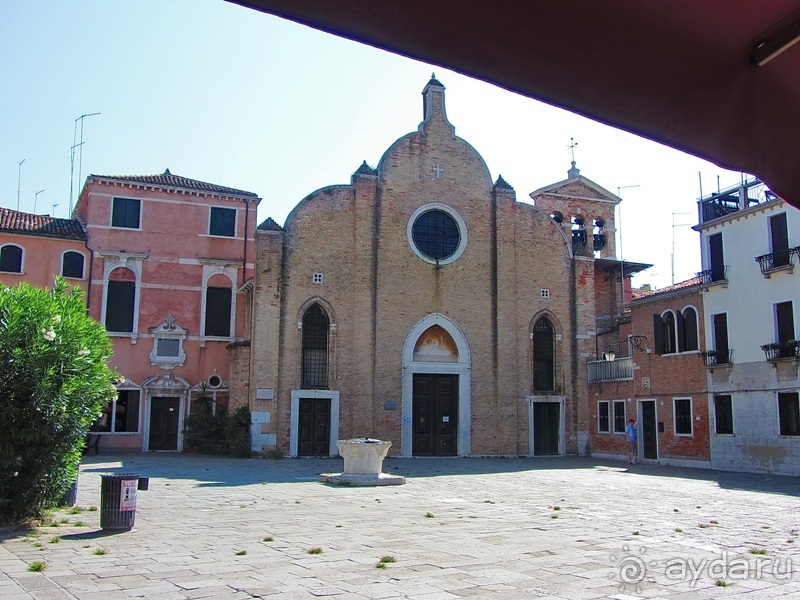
point(680, 72)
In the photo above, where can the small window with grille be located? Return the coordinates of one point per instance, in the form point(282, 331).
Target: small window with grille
point(683, 416)
point(545, 293)
point(317, 278)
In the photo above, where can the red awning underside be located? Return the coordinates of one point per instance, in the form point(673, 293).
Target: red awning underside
point(675, 71)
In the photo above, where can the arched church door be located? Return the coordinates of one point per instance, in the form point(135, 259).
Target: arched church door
point(435, 396)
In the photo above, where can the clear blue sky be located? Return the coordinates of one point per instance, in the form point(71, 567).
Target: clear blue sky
point(223, 94)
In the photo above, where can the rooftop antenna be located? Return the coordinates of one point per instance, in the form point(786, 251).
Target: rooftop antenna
point(35, 198)
point(674, 225)
point(619, 228)
point(19, 177)
point(80, 154)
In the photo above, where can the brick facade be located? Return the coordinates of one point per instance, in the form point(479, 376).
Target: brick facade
point(349, 250)
point(658, 377)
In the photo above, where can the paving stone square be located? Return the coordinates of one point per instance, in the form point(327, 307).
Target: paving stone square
point(567, 527)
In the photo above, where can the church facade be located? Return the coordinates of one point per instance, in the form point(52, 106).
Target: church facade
point(423, 304)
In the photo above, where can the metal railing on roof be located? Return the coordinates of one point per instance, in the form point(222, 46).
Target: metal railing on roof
point(733, 199)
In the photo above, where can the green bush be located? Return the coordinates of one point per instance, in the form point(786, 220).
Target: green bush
point(223, 434)
point(54, 383)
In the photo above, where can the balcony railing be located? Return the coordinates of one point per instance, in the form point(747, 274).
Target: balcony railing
point(776, 260)
point(620, 369)
point(710, 276)
point(713, 358)
point(777, 351)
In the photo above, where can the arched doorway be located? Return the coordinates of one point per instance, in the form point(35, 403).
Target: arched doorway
point(436, 390)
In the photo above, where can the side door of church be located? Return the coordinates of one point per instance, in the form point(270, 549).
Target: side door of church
point(546, 427)
point(314, 427)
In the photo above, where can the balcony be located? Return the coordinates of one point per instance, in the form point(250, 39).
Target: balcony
point(776, 261)
point(714, 277)
point(714, 358)
point(619, 369)
point(782, 350)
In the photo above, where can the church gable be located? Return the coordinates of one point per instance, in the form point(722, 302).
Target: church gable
point(434, 155)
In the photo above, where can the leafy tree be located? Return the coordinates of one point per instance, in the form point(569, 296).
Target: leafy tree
point(54, 383)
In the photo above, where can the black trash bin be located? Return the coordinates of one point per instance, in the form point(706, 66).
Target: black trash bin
point(118, 501)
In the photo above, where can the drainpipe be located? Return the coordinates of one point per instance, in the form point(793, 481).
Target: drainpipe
point(89, 282)
point(244, 253)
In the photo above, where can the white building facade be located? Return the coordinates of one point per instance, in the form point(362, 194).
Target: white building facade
point(750, 243)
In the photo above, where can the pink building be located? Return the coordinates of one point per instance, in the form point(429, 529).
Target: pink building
point(37, 248)
point(170, 263)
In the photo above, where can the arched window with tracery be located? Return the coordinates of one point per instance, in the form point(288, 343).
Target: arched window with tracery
point(315, 349)
point(544, 361)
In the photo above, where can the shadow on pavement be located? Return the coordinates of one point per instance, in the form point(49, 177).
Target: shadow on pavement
point(214, 471)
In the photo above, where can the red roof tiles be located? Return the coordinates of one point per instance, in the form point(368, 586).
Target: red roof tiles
point(14, 221)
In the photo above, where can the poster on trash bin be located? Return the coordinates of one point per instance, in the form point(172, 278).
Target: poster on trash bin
point(127, 500)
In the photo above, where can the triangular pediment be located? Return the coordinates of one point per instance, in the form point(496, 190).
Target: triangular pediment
point(579, 188)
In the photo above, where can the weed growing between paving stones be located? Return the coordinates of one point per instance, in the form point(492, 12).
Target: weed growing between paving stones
point(762, 551)
point(722, 583)
point(79, 524)
point(714, 522)
point(314, 550)
point(267, 539)
point(92, 509)
point(240, 552)
point(99, 551)
point(488, 501)
point(37, 566)
point(75, 510)
point(678, 530)
point(55, 539)
point(429, 515)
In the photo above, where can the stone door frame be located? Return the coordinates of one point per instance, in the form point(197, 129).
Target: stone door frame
point(462, 368)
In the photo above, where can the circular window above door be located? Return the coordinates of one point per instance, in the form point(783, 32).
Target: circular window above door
point(437, 233)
